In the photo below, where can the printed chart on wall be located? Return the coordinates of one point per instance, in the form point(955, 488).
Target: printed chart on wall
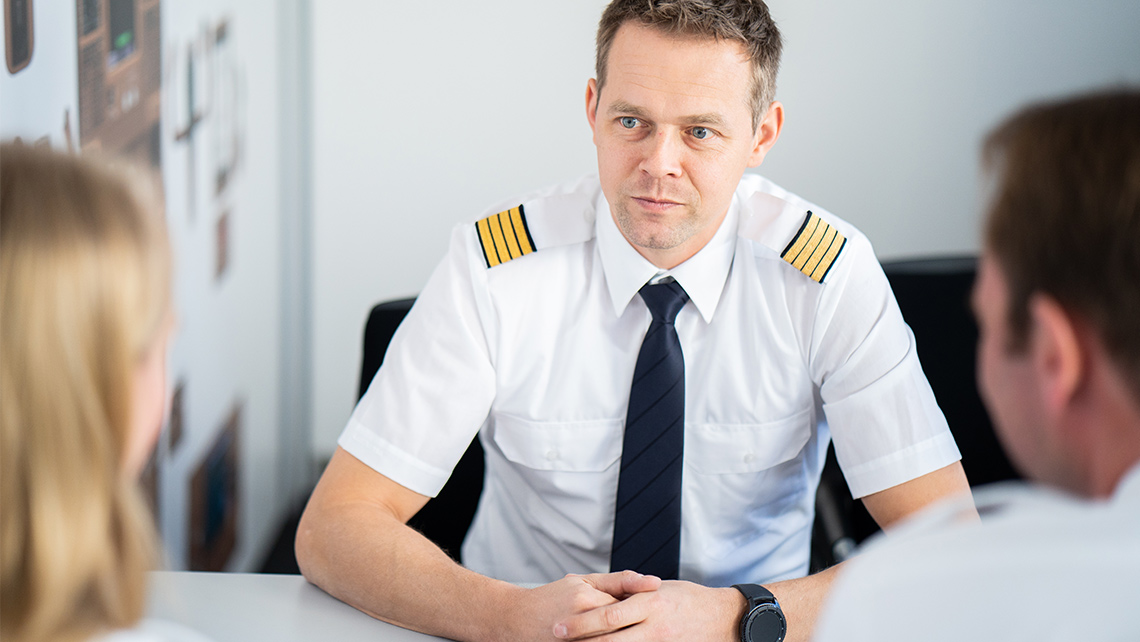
point(120, 78)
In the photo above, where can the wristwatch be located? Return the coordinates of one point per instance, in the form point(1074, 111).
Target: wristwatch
point(764, 620)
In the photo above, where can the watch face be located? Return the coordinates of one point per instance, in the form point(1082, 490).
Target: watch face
point(765, 624)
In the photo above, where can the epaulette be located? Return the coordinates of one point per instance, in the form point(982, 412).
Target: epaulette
point(504, 236)
point(814, 248)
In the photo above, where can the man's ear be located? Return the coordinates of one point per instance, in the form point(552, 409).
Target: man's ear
point(1058, 356)
point(592, 106)
point(767, 133)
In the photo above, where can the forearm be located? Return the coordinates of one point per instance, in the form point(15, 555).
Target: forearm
point(369, 559)
point(802, 599)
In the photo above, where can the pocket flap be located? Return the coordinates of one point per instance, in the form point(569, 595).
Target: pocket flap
point(740, 448)
point(569, 446)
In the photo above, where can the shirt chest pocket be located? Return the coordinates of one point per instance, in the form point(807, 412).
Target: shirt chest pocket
point(578, 446)
point(714, 449)
point(746, 484)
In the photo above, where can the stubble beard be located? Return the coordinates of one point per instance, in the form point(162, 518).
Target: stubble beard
point(656, 232)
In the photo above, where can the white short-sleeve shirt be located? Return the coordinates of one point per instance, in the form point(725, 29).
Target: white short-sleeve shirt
point(536, 355)
point(1040, 566)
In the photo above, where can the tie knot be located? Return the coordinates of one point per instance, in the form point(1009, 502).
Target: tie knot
point(664, 300)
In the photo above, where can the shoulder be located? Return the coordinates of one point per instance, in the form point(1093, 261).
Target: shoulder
point(559, 215)
point(1030, 547)
point(808, 238)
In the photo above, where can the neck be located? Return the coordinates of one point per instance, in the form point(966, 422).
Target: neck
point(666, 259)
point(1106, 433)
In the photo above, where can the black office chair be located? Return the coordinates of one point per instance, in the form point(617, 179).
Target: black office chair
point(934, 296)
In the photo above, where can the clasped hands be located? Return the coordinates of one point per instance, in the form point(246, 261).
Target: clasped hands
point(628, 606)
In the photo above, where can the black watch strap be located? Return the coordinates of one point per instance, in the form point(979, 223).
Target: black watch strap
point(755, 594)
point(763, 621)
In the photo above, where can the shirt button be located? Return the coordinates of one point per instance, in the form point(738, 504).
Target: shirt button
point(552, 455)
point(749, 458)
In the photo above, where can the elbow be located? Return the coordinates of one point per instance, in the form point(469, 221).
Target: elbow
point(306, 545)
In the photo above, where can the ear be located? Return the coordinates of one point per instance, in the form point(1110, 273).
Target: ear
point(767, 133)
point(1058, 356)
point(592, 106)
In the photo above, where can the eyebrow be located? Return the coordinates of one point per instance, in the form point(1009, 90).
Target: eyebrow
point(622, 107)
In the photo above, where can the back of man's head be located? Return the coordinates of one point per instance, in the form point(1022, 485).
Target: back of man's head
point(1064, 218)
point(745, 21)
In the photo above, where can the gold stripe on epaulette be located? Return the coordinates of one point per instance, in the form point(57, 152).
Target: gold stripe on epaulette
point(504, 236)
point(815, 247)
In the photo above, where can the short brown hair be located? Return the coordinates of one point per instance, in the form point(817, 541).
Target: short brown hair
point(1064, 219)
point(745, 21)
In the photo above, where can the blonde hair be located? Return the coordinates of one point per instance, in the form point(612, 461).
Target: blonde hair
point(84, 289)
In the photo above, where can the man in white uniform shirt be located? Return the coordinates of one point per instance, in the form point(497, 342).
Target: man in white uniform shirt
point(1057, 301)
point(530, 333)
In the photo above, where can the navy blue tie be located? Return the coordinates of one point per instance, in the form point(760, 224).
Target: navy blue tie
point(647, 520)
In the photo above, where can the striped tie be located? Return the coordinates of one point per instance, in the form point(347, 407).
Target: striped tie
point(647, 521)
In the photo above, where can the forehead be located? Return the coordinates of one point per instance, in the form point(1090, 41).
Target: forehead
point(664, 72)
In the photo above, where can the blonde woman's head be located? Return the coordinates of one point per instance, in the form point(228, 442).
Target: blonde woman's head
point(84, 317)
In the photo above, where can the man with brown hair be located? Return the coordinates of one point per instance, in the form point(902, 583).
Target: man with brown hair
point(655, 360)
point(1058, 306)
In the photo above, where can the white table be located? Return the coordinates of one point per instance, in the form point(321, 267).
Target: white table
point(246, 607)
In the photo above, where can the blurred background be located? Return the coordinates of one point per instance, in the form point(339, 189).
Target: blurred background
point(314, 156)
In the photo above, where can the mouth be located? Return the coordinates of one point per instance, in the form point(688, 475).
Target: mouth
point(655, 204)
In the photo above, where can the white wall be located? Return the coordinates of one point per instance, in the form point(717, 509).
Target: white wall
point(36, 101)
point(420, 121)
point(888, 102)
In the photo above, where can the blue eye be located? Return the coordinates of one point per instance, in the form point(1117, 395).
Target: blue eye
point(701, 133)
point(629, 122)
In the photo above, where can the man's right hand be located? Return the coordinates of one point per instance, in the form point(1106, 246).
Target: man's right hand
point(534, 617)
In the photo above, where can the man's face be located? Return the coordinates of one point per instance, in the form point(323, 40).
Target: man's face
point(673, 128)
point(1007, 380)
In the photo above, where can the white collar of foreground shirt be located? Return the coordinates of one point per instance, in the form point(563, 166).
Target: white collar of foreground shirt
point(1129, 485)
point(702, 276)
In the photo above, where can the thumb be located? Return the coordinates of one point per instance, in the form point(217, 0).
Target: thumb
point(624, 583)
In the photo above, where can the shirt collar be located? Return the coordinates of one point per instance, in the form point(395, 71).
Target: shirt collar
point(702, 276)
point(1129, 484)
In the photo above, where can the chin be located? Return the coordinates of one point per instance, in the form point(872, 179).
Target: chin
point(654, 239)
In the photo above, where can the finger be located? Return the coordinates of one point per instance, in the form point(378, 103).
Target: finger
point(624, 583)
point(605, 619)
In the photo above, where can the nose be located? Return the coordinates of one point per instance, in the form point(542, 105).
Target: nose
point(663, 154)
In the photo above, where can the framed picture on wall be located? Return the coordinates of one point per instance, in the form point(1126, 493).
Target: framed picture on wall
point(120, 77)
point(177, 414)
point(222, 239)
point(148, 481)
point(19, 36)
point(214, 499)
